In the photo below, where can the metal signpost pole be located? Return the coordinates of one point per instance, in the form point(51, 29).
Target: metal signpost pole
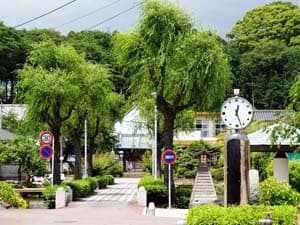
point(52, 169)
point(170, 186)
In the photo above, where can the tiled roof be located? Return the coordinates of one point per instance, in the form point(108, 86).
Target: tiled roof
point(267, 115)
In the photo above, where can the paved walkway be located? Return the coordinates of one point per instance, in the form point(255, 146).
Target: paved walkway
point(112, 206)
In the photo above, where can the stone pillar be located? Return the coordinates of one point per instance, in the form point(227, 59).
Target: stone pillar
point(236, 168)
point(60, 198)
point(254, 186)
point(281, 167)
point(142, 196)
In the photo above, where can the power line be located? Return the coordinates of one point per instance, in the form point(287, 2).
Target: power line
point(113, 17)
point(87, 14)
point(45, 14)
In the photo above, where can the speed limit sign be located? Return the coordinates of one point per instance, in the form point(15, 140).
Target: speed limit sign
point(46, 138)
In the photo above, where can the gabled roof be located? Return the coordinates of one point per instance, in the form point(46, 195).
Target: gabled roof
point(6, 135)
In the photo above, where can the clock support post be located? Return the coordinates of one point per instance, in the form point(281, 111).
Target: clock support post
point(236, 167)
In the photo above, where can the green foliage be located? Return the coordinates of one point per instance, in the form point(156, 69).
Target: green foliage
point(49, 195)
point(272, 192)
point(9, 196)
point(147, 161)
point(149, 180)
point(156, 190)
point(106, 164)
point(246, 215)
point(183, 196)
point(94, 44)
point(294, 178)
point(186, 163)
point(261, 161)
point(81, 188)
point(23, 151)
point(110, 179)
point(274, 21)
point(102, 182)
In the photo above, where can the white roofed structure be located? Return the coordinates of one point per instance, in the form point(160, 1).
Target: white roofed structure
point(132, 132)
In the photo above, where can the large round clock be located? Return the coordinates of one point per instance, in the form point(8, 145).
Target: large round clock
point(236, 112)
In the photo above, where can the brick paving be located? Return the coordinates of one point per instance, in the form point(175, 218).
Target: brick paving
point(112, 206)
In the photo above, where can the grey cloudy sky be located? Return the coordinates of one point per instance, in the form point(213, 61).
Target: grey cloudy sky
point(218, 15)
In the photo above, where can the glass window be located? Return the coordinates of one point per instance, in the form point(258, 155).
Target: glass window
point(220, 126)
point(202, 125)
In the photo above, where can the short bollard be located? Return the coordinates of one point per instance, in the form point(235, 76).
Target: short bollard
point(267, 220)
point(151, 209)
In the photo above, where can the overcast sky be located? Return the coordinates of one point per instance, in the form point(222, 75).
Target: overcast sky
point(218, 15)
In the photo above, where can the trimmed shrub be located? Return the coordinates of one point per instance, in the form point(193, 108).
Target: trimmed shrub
point(183, 196)
point(81, 188)
point(110, 179)
point(156, 190)
point(272, 192)
point(102, 181)
point(10, 197)
point(150, 180)
point(93, 182)
point(246, 215)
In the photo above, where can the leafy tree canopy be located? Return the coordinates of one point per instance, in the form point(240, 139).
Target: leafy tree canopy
point(274, 21)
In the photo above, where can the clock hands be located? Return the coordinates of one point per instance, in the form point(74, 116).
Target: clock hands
point(237, 114)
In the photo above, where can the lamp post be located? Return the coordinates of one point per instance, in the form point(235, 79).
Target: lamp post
point(85, 149)
point(154, 153)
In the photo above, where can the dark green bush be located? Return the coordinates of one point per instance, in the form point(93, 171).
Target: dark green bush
point(183, 196)
point(81, 188)
point(294, 178)
point(102, 182)
point(272, 192)
point(10, 197)
point(156, 190)
point(240, 215)
point(110, 179)
point(93, 182)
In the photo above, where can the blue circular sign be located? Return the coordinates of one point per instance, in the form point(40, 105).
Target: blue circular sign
point(46, 151)
point(169, 156)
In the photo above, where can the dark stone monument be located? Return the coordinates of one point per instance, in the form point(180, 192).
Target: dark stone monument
point(236, 167)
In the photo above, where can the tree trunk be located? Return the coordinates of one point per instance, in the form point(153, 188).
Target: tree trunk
point(168, 134)
point(56, 172)
point(91, 152)
point(77, 150)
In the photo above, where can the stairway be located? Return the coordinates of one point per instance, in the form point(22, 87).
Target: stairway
point(203, 191)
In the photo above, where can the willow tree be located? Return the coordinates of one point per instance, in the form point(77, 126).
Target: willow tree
point(186, 68)
point(56, 81)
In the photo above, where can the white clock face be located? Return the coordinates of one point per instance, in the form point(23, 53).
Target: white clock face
point(236, 112)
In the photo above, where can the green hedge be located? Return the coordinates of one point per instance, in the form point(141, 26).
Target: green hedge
point(183, 196)
point(156, 190)
point(240, 215)
point(10, 197)
point(82, 188)
point(102, 182)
